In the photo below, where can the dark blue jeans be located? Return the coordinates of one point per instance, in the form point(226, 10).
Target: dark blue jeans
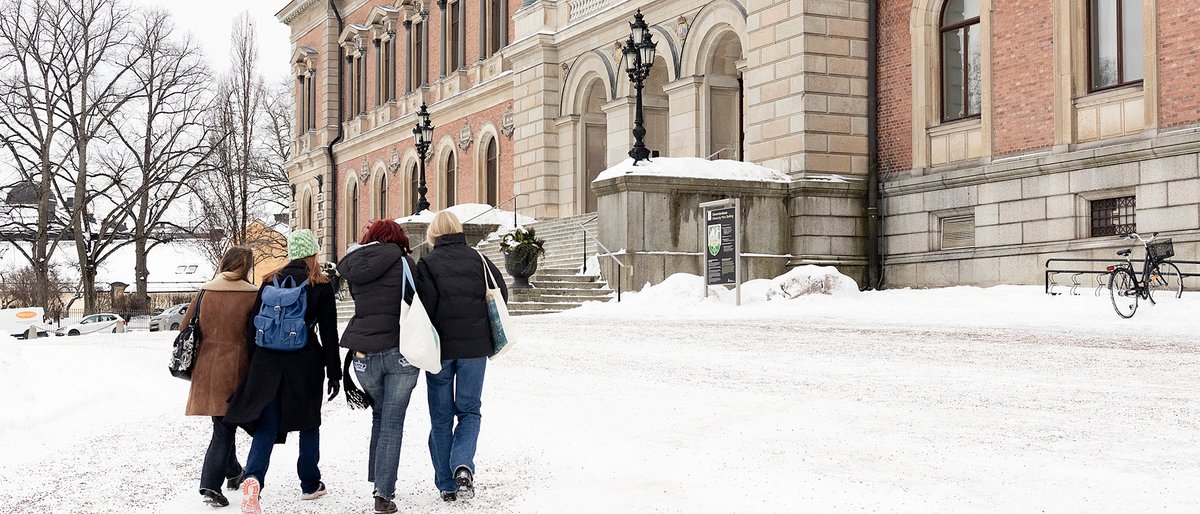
point(390, 383)
point(220, 461)
point(454, 392)
point(264, 442)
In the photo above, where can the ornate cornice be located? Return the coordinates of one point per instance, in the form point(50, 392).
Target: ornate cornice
point(301, 8)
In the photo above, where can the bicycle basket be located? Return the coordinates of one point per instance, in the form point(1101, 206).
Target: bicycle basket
point(1160, 250)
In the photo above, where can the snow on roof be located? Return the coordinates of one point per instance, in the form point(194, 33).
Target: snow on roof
point(475, 213)
point(175, 266)
point(694, 167)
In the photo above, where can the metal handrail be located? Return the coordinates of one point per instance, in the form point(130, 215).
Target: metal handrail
point(607, 253)
point(718, 152)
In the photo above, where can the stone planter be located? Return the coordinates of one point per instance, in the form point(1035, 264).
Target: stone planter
point(520, 270)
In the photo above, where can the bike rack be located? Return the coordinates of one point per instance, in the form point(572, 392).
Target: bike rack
point(1049, 275)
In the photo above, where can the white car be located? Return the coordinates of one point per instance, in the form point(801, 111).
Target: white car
point(104, 322)
point(168, 319)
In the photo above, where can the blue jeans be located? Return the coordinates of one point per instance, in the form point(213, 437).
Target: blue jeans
point(455, 392)
point(264, 442)
point(390, 384)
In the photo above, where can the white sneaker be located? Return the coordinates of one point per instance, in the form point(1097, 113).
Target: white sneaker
point(250, 493)
point(315, 494)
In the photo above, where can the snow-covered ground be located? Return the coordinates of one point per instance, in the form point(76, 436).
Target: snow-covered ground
point(952, 400)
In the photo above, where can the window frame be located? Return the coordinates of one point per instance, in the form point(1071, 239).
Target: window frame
point(1120, 38)
point(942, 29)
point(491, 172)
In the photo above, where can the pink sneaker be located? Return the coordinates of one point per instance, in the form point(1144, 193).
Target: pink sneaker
point(250, 493)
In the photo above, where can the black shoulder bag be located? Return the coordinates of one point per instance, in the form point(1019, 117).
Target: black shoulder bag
point(187, 346)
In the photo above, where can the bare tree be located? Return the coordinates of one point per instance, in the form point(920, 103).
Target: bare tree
point(163, 133)
point(33, 89)
point(99, 57)
point(251, 139)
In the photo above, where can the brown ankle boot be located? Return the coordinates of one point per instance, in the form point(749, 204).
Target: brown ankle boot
point(384, 506)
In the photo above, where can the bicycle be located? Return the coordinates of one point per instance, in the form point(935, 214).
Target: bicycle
point(1158, 276)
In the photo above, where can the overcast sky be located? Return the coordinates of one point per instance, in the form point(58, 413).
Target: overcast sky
point(210, 22)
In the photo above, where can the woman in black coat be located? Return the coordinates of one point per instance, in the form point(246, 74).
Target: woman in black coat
point(282, 390)
point(451, 281)
point(375, 273)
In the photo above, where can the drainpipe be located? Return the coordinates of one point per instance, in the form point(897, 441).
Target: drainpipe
point(874, 259)
point(333, 173)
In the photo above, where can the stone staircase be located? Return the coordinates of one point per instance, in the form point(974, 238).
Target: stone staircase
point(558, 286)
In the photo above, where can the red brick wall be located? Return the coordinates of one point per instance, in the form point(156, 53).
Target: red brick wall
point(1178, 71)
point(468, 161)
point(1022, 76)
point(895, 86)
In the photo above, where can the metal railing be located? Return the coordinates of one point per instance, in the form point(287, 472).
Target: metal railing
point(608, 253)
point(718, 152)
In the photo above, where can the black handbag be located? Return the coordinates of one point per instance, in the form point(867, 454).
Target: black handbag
point(187, 346)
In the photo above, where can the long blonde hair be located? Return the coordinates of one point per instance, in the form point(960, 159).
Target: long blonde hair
point(444, 222)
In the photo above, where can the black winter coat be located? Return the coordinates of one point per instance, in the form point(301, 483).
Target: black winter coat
point(296, 378)
point(375, 273)
point(450, 281)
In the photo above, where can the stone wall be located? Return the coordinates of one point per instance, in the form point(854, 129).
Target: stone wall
point(653, 225)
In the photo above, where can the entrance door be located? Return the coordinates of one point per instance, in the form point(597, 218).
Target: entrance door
point(596, 150)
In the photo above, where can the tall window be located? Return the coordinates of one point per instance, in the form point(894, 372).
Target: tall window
point(961, 69)
point(389, 69)
point(417, 57)
point(306, 214)
point(352, 227)
point(379, 72)
point(493, 29)
point(448, 185)
point(351, 99)
point(413, 184)
point(1114, 43)
point(381, 202)
point(362, 84)
point(492, 171)
point(312, 100)
point(454, 25)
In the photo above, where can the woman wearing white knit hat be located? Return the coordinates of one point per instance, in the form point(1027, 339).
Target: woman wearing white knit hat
point(282, 391)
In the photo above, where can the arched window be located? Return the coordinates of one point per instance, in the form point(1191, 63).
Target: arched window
point(961, 68)
point(449, 185)
point(491, 170)
point(413, 184)
point(352, 227)
point(306, 216)
point(1115, 43)
point(381, 203)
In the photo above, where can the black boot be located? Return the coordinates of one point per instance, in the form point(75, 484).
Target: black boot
point(214, 498)
point(466, 483)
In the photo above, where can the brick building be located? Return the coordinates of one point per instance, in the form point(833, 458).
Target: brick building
point(999, 134)
point(1012, 132)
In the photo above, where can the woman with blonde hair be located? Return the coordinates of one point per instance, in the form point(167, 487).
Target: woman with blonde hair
point(452, 281)
point(282, 391)
point(224, 306)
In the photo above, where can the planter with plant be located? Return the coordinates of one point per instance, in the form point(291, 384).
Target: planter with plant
point(521, 249)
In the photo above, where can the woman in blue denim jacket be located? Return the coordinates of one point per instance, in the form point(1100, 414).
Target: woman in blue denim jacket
point(375, 273)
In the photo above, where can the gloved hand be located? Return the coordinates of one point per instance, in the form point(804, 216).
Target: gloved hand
point(334, 389)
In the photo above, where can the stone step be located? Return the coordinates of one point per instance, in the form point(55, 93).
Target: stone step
point(559, 284)
point(556, 295)
point(543, 306)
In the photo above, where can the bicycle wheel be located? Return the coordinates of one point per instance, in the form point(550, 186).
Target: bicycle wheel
point(1122, 286)
point(1165, 281)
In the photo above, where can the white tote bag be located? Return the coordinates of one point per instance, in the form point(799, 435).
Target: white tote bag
point(504, 333)
point(419, 340)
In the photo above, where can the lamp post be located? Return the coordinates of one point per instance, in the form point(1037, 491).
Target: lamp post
point(639, 52)
point(423, 135)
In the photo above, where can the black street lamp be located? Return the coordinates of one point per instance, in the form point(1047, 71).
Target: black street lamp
point(423, 135)
point(639, 58)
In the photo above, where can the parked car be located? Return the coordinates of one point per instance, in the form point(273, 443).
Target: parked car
point(104, 322)
point(168, 319)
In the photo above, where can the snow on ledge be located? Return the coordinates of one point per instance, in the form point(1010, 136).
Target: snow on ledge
point(694, 167)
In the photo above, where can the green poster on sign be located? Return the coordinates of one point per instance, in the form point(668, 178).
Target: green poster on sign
point(714, 240)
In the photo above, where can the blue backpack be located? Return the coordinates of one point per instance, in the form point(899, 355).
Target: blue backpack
point(279, 324)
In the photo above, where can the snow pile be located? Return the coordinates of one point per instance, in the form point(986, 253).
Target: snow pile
point(809, 279)
point(473, 213)
point(694, 167)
